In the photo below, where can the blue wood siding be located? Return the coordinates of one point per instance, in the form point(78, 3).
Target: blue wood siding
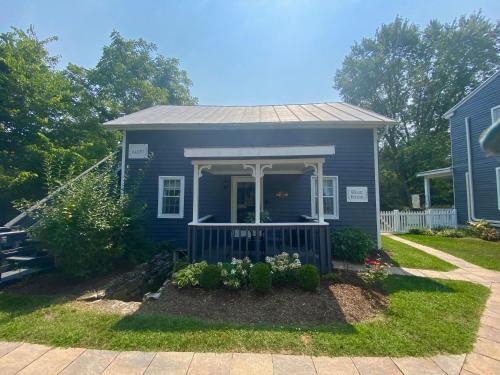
point(353, 163)
point(478, 109)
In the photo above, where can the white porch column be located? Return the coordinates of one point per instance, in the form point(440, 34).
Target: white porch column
point(427, 192)
point(321, 213)
point(258, 192)
point(196, 192)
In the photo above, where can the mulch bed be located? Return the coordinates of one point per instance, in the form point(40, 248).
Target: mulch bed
point(344, 301)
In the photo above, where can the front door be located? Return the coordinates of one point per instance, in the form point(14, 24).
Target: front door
point(242, 198)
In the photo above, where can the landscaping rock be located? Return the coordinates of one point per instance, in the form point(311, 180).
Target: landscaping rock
point(145, 278)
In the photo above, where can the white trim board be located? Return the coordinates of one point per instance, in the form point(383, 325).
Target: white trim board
point(492, 110)
point(256, 161)
point(278, 151)
point(451, 111)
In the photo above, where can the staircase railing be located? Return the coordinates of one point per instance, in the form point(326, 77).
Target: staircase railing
point(38, 204)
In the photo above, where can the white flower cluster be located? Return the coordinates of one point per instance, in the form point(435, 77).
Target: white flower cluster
point(235, 274)
point(283, 262)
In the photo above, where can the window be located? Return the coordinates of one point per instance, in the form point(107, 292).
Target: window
point(330, 197)
point(495, 114)
point(171, 197)
point(498, 186)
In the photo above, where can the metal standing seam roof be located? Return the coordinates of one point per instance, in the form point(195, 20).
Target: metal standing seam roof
point(319, 113)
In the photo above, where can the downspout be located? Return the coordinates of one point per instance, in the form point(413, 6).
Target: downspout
point(472, 212)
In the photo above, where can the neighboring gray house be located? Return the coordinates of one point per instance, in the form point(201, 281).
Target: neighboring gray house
point(310, 167)
point(476, 176)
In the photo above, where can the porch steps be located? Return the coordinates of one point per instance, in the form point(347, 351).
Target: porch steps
point(21, 256)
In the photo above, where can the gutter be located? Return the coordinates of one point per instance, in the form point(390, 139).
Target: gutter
point(472, 211)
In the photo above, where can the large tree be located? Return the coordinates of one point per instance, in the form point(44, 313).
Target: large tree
point(415, 75)
point(51, 120)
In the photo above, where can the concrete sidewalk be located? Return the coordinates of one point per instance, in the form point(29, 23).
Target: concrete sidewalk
point(22, 358)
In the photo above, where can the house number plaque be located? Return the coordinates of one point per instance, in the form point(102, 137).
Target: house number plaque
point(137, 151)
point(357, 194)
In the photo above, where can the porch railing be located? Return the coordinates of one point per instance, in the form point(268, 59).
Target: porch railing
point(220, 242)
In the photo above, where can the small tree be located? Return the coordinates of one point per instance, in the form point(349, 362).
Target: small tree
point(85, 225)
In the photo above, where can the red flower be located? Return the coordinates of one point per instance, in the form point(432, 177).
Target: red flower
point(372, 262)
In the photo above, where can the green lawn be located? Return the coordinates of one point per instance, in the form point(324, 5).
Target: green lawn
point(474, 250)
point(425, 317)
point(403, 255)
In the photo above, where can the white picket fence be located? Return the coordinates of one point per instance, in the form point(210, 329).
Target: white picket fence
point(402, 221)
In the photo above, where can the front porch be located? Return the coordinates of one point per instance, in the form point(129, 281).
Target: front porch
point(259, 202)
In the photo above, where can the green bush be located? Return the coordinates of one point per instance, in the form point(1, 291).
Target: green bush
point(284, 268)
point(261, 278)
point(351, 244)
point(85, 225)
point(484, 230)
point(308, 277)
point(454, 233)
point(189, 276)
point(417, 231)
point(210, 277)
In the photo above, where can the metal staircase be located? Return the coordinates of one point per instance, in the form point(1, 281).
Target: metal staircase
point(20, 256)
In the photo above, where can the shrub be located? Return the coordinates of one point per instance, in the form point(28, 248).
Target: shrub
point(308, 277)
point(331, 276)
point(484, 230)
point(376, 272)
point(210, 277)
point(190, 275)
point(85, 225)
point(417, 231)
point(351, 244)
point(454, 233)
point(235, 274)
point(284, 268)
point(261, 278)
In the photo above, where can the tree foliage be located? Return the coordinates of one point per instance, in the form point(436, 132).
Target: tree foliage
point(414, 76)
point(51, 119)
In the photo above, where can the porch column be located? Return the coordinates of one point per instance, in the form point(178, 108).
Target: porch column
point(258, 192)
point(196, 192)
point(427, 192)
point(321, 213)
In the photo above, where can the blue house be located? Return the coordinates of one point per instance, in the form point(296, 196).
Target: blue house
point(476, 176)
point(254, 181)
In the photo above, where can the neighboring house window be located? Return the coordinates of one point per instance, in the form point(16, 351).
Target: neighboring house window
point(330, 197)
point(171, 197)
point(495, 114)
point(498, 186)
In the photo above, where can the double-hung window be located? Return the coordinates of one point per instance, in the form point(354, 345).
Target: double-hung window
point(171, 197)
point(495, 114)
point(330, 197)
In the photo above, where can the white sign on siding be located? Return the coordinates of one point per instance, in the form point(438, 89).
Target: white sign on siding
point(137, 151)
point(357, 193)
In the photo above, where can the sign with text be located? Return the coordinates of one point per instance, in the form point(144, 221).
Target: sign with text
point(415, 201)
point(137, 151)
point(357, 194)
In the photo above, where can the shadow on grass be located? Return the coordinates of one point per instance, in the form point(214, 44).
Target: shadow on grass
point(15, 305)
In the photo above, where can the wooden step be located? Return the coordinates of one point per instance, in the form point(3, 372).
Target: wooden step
point(18, 273)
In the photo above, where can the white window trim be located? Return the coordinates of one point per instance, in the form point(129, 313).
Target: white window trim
point(492, 110)
point(161, 181)
point(497, 170)
point(335, 216)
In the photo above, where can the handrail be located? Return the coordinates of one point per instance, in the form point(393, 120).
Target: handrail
point(37, 205)
point(205, 218)
point(258, 224)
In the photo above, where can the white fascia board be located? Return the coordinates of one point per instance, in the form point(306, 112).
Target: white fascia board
point(241, 152)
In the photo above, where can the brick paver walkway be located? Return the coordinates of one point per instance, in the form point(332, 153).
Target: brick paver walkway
point(22, 358)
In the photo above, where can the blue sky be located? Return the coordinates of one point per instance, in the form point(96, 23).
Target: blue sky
point(236, 52)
